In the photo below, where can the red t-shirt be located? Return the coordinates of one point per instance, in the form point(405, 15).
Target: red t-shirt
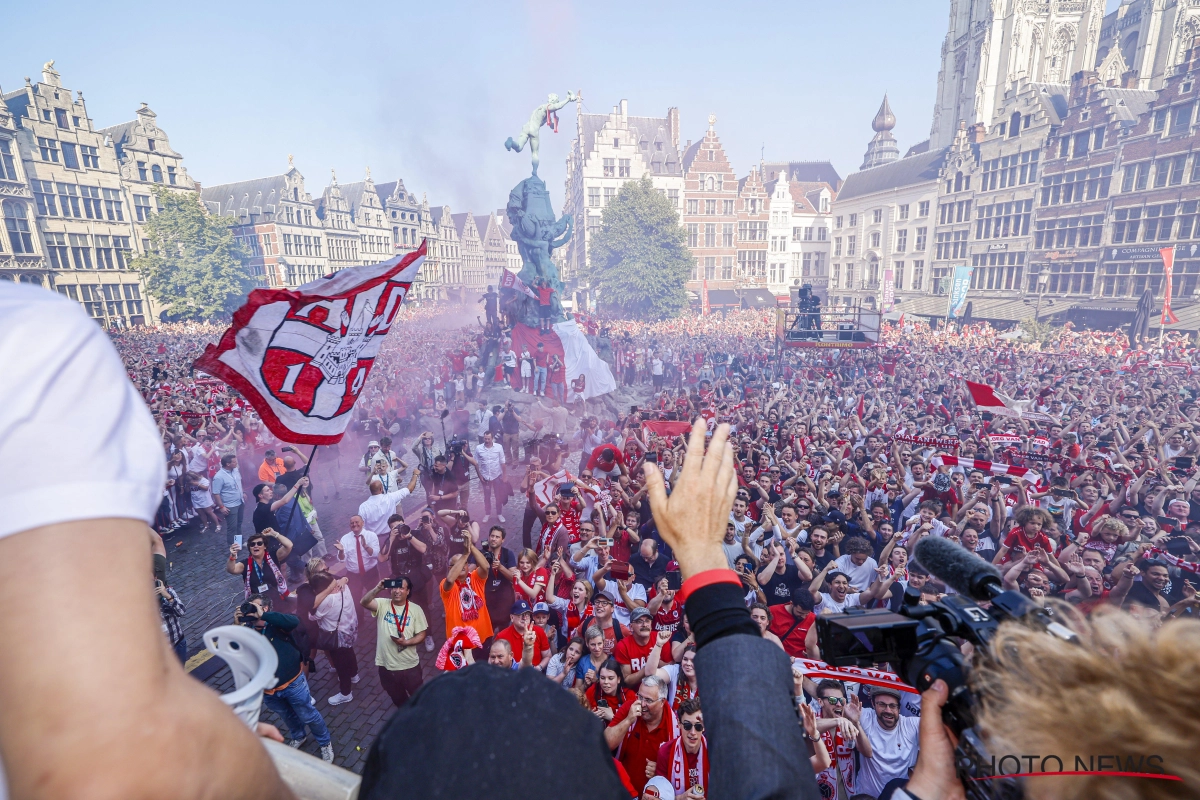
point(640, 745)
point(628, 651)
point(668, 619)
point(781, 621)
point(537, 579)
point(1017, 536)
point(544, 295)
point(540, 647)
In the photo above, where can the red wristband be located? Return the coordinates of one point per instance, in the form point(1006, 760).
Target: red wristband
point(707, 578)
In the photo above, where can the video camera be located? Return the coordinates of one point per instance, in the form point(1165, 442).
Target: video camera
point(457, 445)
point(248, 615)
point(917, 642)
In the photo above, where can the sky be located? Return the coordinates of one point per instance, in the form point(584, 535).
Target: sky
point(428, 92)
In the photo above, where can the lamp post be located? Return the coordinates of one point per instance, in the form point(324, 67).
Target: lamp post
point(1042, 281)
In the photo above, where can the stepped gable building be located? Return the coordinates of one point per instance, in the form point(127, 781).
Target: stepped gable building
point(710, 213)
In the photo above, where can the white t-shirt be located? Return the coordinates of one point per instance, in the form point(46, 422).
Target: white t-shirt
point(892, 752)
point(860, 576)
point(620, 611)
point(64, 382)
point(830, 606)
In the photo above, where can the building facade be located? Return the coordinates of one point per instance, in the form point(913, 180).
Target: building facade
point(754, 221)
point(473, 275)
point(710, 192)
point(67, 217)
point(608, 150)
point(369, 217)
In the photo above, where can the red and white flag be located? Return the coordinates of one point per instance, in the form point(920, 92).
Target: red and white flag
point(994, 467)
point(1001, 405)
point(1168, 257)
point(1004, 438)
point(301, 356)
point(509, 280)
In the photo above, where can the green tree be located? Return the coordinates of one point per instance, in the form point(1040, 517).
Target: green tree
point(196, 269)
point(1042, 333)
point(639, 261)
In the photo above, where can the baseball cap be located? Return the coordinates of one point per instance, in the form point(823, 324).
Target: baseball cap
point(520, 607)
point(638, 613)
point(601, 596)
point(540, 608)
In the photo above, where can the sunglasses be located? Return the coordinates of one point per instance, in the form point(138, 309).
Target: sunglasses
point(687, 725)
point(258, 544)
point(834, 701)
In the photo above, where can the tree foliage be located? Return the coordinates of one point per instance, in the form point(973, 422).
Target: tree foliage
point(639, 260)
point(195, 268)
point(1042, 333)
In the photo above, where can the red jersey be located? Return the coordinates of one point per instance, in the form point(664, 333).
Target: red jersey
point(628, 651)
point(537, 579)
point(668, 619)
point(544, 294)
point(1017, 536)
point(640, 745)
point(782, 621)
point(540, 648)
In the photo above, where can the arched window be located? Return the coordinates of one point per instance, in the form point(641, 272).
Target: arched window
point(1014, 125)
point(16, 221)
point(958, 181)
point(33, 280)
point(156, 173)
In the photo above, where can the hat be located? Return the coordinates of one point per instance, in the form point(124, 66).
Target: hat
point(661, 788)
point(878, 690)
point(638, 613)
point(540, 608)
point(519, 607)
point(372, 444)
point(602, 596)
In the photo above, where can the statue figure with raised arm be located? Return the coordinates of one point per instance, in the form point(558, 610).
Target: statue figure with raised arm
point(545, 114)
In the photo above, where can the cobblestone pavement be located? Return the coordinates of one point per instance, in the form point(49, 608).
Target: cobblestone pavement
point(211, 596)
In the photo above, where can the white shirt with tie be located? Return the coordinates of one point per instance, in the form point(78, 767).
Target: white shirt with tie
point(376, 509)
point(350, 550)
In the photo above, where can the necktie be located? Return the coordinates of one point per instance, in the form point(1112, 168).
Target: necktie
point(358, 551)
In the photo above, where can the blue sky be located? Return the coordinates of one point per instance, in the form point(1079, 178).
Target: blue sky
point(428, 92)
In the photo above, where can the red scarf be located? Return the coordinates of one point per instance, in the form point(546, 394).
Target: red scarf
point(679, 771)
point(574, 618)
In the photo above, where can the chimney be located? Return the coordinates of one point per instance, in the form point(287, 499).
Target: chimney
point(1130, 79)
point(976, 133)
point(689, 144)
point(624, 109)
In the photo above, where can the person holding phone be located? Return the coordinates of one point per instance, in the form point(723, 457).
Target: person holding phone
point(401, 626)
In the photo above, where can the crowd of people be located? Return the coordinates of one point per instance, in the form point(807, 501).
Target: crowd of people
point(846, 459)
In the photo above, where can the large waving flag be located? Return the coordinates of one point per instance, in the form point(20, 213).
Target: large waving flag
point(988, 399)
point(301, 356)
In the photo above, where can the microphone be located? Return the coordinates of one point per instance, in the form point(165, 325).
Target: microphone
point(960, 569)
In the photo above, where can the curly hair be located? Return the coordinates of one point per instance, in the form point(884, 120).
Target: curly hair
point(1025, 514)
point(1126, 691)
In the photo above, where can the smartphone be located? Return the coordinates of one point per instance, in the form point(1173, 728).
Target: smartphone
point(1184, 462)
point(674, 581)
point(652, 458)
point(606, 542)
point(619, 570)
point(237, 539)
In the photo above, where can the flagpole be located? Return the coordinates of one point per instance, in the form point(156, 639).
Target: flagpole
point(296, 496)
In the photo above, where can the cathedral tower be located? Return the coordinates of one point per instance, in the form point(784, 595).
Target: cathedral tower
point(883, 147)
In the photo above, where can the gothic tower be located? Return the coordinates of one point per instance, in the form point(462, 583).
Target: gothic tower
point(883, 147)
point(992, 44)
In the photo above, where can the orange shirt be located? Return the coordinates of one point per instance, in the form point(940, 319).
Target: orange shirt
point(469, 611)
point(267, 473)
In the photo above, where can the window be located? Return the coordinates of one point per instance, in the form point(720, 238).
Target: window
point(727, 234)
point(616, 144)
point(1181, 117)
point(1178, 167)
point(923, 208)
point(104, 253)
point(610, 192)
point(752, 263)
point(850, 245)
point(837, 222)
point(16, 222)
point(877, 216)
point(1003, 219)
point(796, 233)
point(901, 241)
point(997, 271)
point(898, 274)
point(1081, 143)
point(837, 245)
point(673, 196)
point(1015, 170)
point(91, 202)
point(150, 145)
point(141, 167)
point(56, 249)
point(141, 205)
point(835, 277)
point(1098, 138)
point(1136, 176)
point(853, 220)
point(1068, 232)
point(81, 251)
point(287, 244)
point(593, 196)
point(808, 234)
point(918, 275)
point(90, 156)
point(752, 231)
point(623, 168)
point(822, 234)
point(875, 239)
point(171, 178)
point(43, 195)
point(710, 267)
point(693, 206)
point(156, 173)
point(8, 167)
point(693, 231)
point(48, 148)
point(921, 239)
point(806, 269)
point(727, 208)
point(1064, 145)
point(710, 235)
point(1160, 119)
point(726, 268)
point(60, 118)
point(68, 200)
point(1073, 187)
point(610, 168)
point(710, 208)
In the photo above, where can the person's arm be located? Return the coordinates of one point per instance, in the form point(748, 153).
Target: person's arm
point(285, 546)
point(335, 586)
point(280, 502)
point(615, 732)
point(368, 600)
point(136, 692)
point(745, 677)
point(528, 645)
point(232, 565)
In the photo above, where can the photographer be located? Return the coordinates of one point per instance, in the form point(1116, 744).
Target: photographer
point(442, 490)
point(401, 627)
point(407, 552)
point(290, 697)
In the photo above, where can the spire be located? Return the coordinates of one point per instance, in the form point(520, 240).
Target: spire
point(883, 148)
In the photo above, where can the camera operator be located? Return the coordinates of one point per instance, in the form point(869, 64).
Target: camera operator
point(290, 698)
point(443, 488)
point(407, 552)
point(459, 468)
